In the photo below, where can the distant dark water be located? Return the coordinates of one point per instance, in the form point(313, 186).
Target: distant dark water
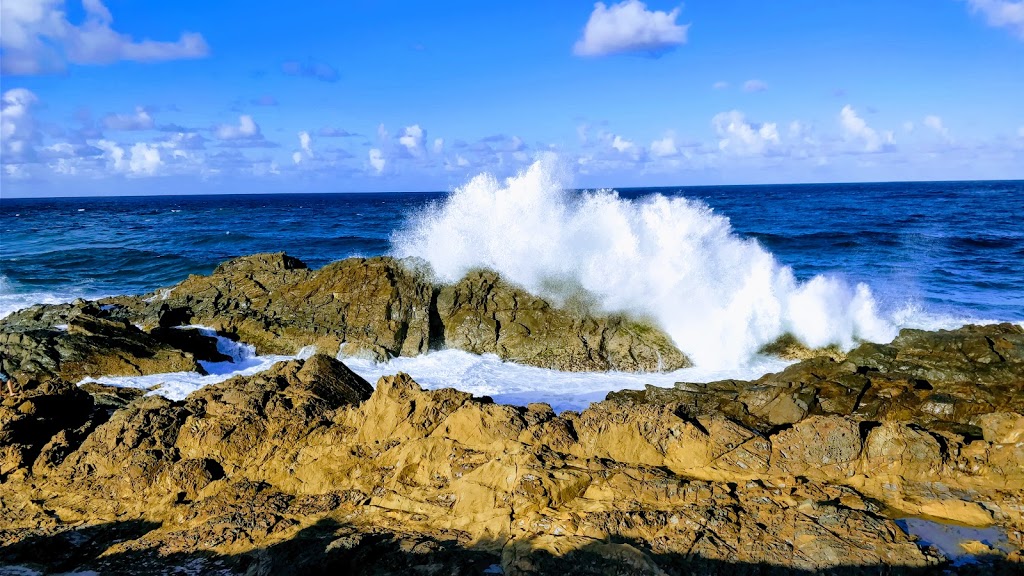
point(953, 249)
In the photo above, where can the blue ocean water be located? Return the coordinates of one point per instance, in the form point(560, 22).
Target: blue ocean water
point(948, 249)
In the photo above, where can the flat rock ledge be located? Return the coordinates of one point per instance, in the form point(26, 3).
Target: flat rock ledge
point(308, 469)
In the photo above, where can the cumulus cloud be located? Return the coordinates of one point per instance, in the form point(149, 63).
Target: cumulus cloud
point(720, 85)
point(306, 148)
point(141, 159)
point(856, 129)
point(246, 129)
point(139, 120)
point(36, 37)
point(665, 147)
point(18, 133)
point(629, 27)
point(184, 141)
point(621, 144)
point(755, 86)
point(311, 69)
point(742, 138)
point(377, 160)
point(145, 159)
point(412, 139)
point(1001, 14)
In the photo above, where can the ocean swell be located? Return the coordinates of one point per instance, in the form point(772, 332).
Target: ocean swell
point(675, 261)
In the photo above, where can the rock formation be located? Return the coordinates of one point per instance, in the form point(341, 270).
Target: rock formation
point(383, 308)
point(306, 468)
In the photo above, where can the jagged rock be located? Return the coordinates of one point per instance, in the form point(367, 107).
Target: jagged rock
point(484, 314)
point(274, 302)
point(788, 347)
point(44, 423)
point(1002, 427)
point(306, 466)
point(88, 344)
point(382, 308)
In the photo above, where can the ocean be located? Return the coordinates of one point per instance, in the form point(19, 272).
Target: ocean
point(723, 269)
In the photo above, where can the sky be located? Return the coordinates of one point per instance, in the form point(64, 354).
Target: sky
point(119, 97)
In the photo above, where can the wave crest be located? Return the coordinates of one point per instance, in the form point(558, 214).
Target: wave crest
point(720, 297)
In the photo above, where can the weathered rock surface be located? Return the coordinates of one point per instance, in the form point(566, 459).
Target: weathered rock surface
point(484, 314)
point(306, 468)
point(382, 308)
point(72, 341)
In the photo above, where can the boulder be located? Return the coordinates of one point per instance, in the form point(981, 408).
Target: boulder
point(484, 314)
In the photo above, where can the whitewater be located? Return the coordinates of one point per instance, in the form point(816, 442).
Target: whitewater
point(673, 261)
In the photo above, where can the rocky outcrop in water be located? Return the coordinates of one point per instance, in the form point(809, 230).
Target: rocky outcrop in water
point(382, 308)
point(307, 469)
point(484, 314)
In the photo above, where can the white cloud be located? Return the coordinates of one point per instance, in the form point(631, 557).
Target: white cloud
point(737, 136)
point(755, 86)
point(666, 147)
point(140, 120)
point(412, 138)
point(246, 129)
point(36, 37)
point(720, 85)
point(1001, 14)
point(377, 160)
point(145, 159)
point(459, 163)
point(17, 127)
point(142, 160)
point(306, 148)
point(935, 123)
point(438, 145)
point(628, 27)
point(856, 129)
point(621, 144)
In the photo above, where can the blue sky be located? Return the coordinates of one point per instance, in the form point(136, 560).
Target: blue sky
point(123, 97)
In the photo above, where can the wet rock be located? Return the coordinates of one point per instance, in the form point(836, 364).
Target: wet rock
point(382, 308)
point(484, 314)
point(89, 344)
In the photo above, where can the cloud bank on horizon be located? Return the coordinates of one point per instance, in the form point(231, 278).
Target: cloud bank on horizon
point(130, 98)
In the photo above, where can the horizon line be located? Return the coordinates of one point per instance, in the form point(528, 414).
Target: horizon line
point(584, 189)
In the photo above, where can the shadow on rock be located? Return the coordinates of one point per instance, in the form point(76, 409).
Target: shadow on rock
point(332, 547)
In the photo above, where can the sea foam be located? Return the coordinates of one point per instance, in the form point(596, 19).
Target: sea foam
point(674, 261)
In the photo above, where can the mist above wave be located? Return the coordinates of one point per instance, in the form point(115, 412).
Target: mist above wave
point(675, 261)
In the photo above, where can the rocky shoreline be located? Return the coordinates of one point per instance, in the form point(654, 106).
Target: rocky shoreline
point(307, 468)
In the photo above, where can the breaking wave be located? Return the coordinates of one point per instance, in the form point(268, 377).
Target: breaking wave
point(721, 297)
